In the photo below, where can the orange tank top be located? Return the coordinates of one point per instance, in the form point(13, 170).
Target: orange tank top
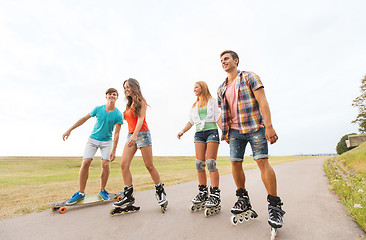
point(132, 121)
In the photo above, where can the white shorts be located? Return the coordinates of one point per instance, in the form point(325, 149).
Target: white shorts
point(92, 146)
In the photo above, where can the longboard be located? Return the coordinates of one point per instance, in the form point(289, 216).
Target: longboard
point(89, 199)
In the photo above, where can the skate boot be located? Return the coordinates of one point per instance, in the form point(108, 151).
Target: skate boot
point(127, 199)
point(161, 196)
point(199, 201)
point(275, 214)
point(242, 209)
point(213, 203)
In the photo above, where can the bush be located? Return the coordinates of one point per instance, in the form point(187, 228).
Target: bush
point(342, 146)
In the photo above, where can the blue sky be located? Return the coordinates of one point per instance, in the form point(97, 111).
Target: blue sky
point(57, 59)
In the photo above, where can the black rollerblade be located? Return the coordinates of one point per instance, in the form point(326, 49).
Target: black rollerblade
point(213, 203)
point(199, 202)
point(275, 214)
point(161, 196)
point(242, 209)
point(128, 209)
point(125, 205)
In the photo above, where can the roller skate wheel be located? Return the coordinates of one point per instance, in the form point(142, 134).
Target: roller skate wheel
point(273, 233)
point(234, 220)
point(241, 218)
point(192, 208)
point(207, 212)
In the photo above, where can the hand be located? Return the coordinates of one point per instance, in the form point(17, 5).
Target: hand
point(271, 135)
point(132, 140)
point(112, 156)
point(66, 135)
point(180, 134)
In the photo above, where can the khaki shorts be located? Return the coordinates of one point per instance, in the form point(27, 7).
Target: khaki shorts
point(92, 146)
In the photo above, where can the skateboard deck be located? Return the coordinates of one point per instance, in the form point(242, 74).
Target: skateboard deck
point(89, 199)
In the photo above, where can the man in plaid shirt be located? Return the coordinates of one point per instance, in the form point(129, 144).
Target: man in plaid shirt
point(246, 117)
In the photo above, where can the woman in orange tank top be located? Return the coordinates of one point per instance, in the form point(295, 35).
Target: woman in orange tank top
point(138, 138)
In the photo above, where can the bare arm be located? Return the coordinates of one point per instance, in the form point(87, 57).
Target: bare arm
point(260, 96)
point(80, 122)
point(140, 120)
point(115, 141)
point(185, 129)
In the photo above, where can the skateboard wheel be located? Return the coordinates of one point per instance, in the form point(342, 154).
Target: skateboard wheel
point(62, 210)
point(54, 208)
point(119, 198)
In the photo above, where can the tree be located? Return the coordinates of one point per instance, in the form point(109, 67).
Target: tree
point(342, 146)
point(360, 103)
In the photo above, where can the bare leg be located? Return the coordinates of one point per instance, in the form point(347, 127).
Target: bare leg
point(201, 155)
point(147, 156)
point(127, 156)
point(268, 176)
point(212, 148)
point(105, 174)
point(84, 174)
point(238, 174)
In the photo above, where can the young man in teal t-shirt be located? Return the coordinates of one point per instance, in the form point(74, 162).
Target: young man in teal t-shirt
point(108, 116)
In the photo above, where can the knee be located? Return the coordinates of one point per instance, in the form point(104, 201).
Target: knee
point(86, 163)
point(105, 164)
point(263, 163)
point(200, 165)
point(150, 167)
point(125, 165)
point(211, 165)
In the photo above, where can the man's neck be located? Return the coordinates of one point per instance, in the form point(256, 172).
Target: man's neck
point(231, 75)
point(110, 106)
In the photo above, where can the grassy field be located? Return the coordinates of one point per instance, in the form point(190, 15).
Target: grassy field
point(347, 176)
point(30, 184)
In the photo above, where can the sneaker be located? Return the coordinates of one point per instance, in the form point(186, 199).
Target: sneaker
point(160, 194)
point(202, 195)
point(275, 212)
point(127, 199)
point(78, 196)
point(104, 195)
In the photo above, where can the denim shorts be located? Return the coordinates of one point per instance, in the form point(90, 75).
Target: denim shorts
point(92, 146)
point(239, 141)
point(207, 136)
point(143, 139)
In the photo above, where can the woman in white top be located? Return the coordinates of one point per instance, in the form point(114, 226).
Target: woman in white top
point(205, 114)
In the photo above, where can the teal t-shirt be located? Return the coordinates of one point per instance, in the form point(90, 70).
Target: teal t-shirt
point(202, 112)
point(106, 121)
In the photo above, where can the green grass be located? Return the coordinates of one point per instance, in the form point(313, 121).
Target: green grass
point(43, 180)
point(347, 177)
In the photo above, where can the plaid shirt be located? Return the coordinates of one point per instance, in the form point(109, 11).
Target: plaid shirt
point(249, 115)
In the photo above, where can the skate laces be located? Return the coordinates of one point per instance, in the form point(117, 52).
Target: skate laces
point(275, 213)
point(241, 203)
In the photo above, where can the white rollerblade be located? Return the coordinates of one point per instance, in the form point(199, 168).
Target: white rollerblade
point(199, 202)
point(275, 214)
point(161, 197)
point(213, 203)
point(242, 210)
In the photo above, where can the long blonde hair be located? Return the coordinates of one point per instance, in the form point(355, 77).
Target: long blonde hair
point(202, 100)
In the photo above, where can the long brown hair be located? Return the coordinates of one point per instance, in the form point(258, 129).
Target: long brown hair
point(202, 100)
point(136, 99)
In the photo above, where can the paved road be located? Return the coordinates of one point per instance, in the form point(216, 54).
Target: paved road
point(313, 212)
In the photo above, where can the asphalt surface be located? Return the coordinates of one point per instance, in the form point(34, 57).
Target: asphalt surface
point(312, 212)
